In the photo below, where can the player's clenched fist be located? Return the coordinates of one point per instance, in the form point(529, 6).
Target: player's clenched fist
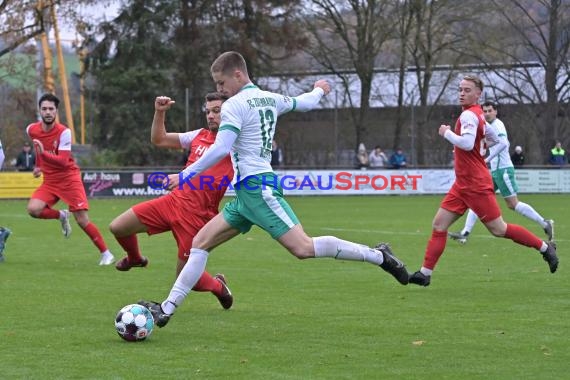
point(162, 103)
point(443, 128)
point(324, 84)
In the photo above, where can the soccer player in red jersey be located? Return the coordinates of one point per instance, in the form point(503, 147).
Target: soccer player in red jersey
point(183, 211)
point(473, 186)
point(61, 177)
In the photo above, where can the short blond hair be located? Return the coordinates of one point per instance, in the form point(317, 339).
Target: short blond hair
point(229, 61)
point(475, 79)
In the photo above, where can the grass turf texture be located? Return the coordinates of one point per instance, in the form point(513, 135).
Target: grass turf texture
point(493, 311)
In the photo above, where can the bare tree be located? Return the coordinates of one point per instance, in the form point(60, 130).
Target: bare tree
point(531, 61)
point(263, 31)
point(436, 38)
point(405, 12)
point(23, 20)
point(20, 21)
point(348, 36)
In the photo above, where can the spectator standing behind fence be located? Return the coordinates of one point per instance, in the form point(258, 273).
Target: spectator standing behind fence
point(398, 159)
point(518, 157)
point(558, 155)
point(26, 159)
point(276, 155)
point(361, 157)
point(377, 158)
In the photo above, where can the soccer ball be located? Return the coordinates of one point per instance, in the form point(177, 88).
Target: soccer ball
point(134, 322)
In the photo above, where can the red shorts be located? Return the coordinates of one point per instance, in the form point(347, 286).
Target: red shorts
point(169, 213)
point(483, 203)
point(71, 192)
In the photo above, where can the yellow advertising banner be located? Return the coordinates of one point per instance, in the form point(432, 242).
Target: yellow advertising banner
point(18, 184)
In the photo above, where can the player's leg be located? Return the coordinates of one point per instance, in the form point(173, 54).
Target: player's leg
point(40, 206)
point(184, 229)
point(91, 230)
point(4, 234)
point(529, 212)
point(214, 233)
point(302, 246)
point(451, 208)
point(74, 195)
point(153, 217)
point(263, 204)
point(472, 217)
point(507, 184)
point(487, 206)
point(522, 236)
point(442, 220)
point(125, 228)
point(462, 236)
point(217, 285)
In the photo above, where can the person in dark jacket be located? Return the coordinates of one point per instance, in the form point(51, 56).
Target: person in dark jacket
point(26, 159)
point(518, 157)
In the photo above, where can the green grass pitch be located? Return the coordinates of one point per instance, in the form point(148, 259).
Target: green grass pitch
point(493, 310)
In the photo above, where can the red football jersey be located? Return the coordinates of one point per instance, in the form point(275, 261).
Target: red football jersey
point(471, 171)
point(53, 143)
point(209, 186)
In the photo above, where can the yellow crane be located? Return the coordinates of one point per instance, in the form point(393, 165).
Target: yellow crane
point(49, 81)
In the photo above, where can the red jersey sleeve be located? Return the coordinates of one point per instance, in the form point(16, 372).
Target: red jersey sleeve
point(63, 159)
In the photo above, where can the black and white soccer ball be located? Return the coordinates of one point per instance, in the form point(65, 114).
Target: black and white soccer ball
point(134, 323)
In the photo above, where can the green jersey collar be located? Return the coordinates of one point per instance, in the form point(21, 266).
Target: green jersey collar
point(247, 87)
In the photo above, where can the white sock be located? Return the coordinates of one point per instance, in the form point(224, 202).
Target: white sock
point(469, 222)
point(426, 271)
point(544, 247)
point(186, 280)
point(330, 246)
point(527, 211)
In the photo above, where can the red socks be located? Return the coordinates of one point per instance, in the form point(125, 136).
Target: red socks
point(207, 283)
point(49, 213)
point(434, 249)
point(93, 232)
point(522, 236)
point(131, 245)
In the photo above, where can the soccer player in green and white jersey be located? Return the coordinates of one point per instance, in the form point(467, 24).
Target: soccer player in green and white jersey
point(246, 131)
point(503, 173)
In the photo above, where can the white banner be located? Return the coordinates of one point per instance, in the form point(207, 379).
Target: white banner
point(408, 181)
point(543, 181)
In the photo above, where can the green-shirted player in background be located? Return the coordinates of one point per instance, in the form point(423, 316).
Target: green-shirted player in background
point(246, 131)
point(503, 173)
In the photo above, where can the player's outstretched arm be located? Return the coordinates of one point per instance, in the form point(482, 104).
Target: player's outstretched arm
point(309, 100)
point(158, 134)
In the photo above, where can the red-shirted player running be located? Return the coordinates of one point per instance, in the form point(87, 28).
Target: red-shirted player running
point(183, 211)
point(61, 177)
point(473, 186)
